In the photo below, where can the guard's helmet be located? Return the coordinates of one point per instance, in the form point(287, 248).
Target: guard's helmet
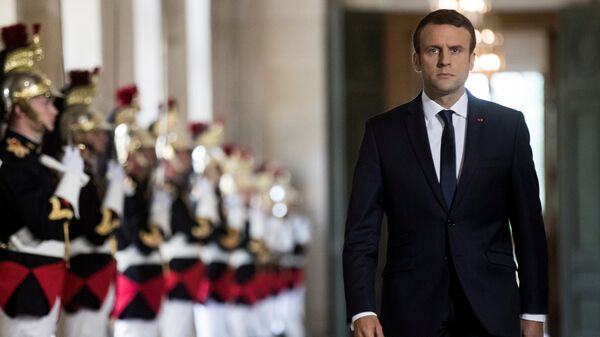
point(79, 116)
point(125, 122)
point(20, 80)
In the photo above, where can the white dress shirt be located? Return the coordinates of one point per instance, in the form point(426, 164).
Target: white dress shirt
point(435, 126)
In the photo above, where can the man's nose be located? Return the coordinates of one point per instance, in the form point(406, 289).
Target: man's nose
point(53, 109)
point(444, 59)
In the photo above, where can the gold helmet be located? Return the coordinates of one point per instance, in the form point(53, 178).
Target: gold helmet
point(170, 132)
point(79, 116)
point(128, 106)
point(20, 80)
point(126, 136)
point(208, 139)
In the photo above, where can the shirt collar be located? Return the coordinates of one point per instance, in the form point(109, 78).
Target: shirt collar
point(431, 107)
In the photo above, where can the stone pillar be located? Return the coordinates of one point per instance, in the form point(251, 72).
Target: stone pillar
point(8, 14)
point(174, 23)
point(117, 51)
point(47, 13)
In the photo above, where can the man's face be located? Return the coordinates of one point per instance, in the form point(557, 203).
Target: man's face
point(141, 163)
point(179, 166)
point(98, 140)
point(149, 154)
point(444, 60)
point(44, 108)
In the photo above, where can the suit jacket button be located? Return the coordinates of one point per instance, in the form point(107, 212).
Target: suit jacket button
point(450, 223)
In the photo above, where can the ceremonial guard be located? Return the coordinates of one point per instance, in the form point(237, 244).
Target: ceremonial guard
point(297, 231)
point(234, 286)
point(36, 212)
point(88, 294)
point(259, 210)
point(278, 239)
point(181, 249)
point(206, 198)
point(139, 284)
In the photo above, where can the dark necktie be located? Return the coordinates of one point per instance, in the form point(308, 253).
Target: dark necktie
point(448, 158)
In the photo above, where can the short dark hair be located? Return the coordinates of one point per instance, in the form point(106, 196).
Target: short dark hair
point(444, 17)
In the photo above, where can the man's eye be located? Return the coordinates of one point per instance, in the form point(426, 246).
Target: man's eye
point(433, 50)
point(455, 50)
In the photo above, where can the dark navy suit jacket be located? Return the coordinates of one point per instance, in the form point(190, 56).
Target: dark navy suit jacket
point(395, 176)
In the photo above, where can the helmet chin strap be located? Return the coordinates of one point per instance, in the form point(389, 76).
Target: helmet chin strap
point(31, 114)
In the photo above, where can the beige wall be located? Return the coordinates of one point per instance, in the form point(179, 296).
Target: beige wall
point(270, 85)
point(176, 51)
point(46, 13)
point(117, 51)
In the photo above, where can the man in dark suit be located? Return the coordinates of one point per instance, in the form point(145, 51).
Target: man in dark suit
point(449, 171)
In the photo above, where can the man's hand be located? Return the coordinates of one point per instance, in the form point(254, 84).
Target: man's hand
point(531, 328)
point(367, 326)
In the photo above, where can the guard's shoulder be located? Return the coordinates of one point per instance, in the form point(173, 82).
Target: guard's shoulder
point(16, 149)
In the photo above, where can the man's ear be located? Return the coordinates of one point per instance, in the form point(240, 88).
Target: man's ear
point(17, 110)
point(471, 61)
point(416, 62)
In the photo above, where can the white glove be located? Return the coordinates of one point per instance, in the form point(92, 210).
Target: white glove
point(115, 193)
point(237, 214)
point(115, 172)
point(160, 211)
point(71, 183)
point(301, 229)
point(207, 205)
point(72, 160)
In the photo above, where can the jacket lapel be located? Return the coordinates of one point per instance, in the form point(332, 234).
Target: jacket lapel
point(475, 125)
point(415, 128)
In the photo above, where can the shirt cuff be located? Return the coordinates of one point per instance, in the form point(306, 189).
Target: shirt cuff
point(360, 315)
point(532, 317)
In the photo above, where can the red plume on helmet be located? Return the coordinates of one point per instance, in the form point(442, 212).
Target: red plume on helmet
point(14, 36)
point(35, 28)
point(230, 149)
point(126, 94)
point(79, 77)
point(172, 103)
point(197, 128)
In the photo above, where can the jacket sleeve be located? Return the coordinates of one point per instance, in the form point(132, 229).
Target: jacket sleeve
point(363, 227)
point(96, 223)
point(528, 226)
point(37, 208)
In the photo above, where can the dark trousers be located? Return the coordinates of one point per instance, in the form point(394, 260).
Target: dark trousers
point(460, 320)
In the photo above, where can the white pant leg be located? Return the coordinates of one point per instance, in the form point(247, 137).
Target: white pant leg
point(28, 326)
point(238, 320)
point(282, 310)
point(201, 321)
point(296, 312)
point(211, 319)
point(254, 324)
point(176, 319)
point(262, 315)
point(88, 323)
point(135, 328)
